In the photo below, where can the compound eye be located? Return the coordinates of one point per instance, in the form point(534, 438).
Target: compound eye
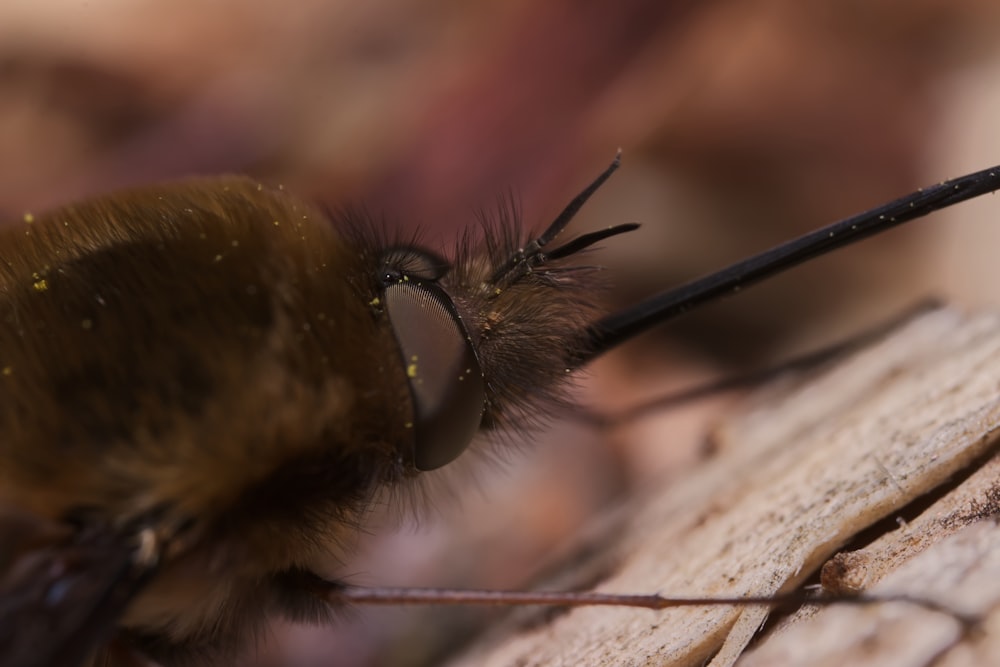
point(411, 263)
point(446, 380)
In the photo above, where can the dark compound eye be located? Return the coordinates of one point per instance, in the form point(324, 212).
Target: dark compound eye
point(409, 262)
point(446, 380)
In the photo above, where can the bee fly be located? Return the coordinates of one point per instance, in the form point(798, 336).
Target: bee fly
point(204, 385)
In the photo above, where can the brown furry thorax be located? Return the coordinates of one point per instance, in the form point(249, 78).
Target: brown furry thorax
point(210, 357)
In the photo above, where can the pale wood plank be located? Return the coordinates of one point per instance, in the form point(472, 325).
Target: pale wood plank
point(795, 477)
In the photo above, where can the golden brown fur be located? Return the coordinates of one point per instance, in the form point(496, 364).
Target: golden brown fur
point(163, 357)
point(209, 358)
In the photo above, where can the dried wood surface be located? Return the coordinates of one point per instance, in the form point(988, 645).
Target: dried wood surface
point(904, 427)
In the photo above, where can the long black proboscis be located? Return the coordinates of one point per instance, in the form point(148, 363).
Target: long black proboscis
point(618, 327)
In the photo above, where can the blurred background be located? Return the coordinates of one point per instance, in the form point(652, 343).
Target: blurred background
point(742, 124)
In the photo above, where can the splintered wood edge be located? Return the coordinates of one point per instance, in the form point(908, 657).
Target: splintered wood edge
point(795, 477)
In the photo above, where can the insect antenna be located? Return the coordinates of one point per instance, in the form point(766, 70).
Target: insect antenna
point(531, 254)
point(589, 239)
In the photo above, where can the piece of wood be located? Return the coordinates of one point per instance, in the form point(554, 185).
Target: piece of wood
point(804, 470)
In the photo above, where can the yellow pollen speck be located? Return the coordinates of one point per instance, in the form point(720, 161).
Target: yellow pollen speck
point(411, 371)
point(408, 425)
point(374, 302)
point(41, 285)
point(277, 224)
point(8, 371)
point(29, 217)
point(87, 324)
point(218, 258)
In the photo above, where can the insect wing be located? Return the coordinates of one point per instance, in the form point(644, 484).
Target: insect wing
point(61, 600)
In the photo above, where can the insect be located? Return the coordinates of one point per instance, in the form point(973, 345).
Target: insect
point(204, 385)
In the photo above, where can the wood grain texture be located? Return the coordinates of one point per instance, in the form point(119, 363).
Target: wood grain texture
point(809, 466)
